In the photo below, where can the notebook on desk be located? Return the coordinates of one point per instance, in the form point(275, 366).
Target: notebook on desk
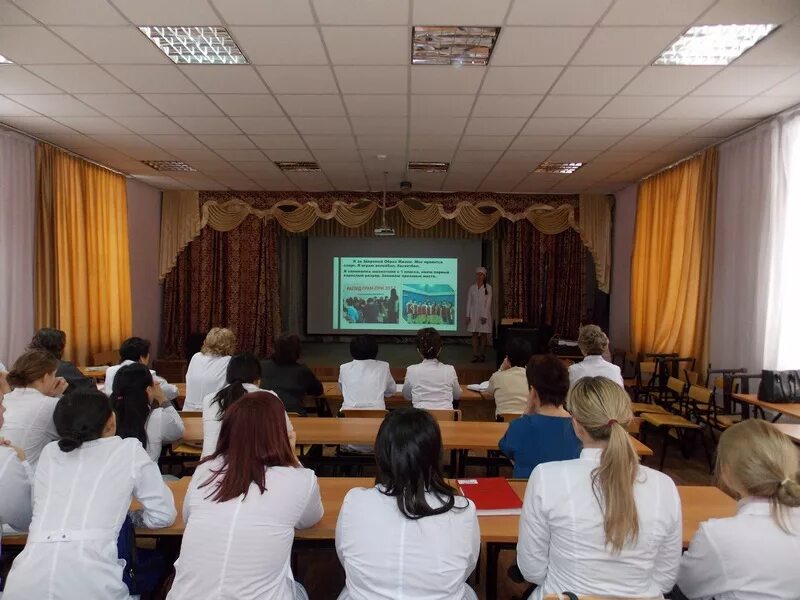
point(491, 495)
point(478, 387)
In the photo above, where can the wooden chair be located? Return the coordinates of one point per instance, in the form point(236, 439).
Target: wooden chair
point(445, 414)
point(364, 413)
point(675, 394)
point(645, 407)
point(703, 407)
point(672, 425)
point(647, 384)
point(107, 357)
point(508, 417)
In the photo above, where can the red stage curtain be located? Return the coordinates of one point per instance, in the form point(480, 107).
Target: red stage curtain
point(225, 279)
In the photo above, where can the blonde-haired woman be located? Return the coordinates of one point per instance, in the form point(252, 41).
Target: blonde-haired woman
point(593, 344)
point(753, 554)
point(207, 369)
point(600, 524)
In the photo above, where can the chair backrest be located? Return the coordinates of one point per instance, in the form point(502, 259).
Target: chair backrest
point(191, 414)
point(364, 413)
point(648, 366)
point(445, 414)
point(107, 357)
point(676, 385)
point(745, 379)
point(700, 394)
point(635, 426)
point(692, 377)
point(508, 417)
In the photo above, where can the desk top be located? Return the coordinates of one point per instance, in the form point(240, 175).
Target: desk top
point(93, 372)
point(331, 391)
point(791, 409)
point(790, 429)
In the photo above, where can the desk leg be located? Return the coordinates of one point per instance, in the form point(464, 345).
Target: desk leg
point(492, 557)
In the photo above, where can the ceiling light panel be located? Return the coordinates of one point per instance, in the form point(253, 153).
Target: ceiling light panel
point(713, 44)
point(297, 166)
point(558, 167)
point(169, 165)
point(5, 61)
point(452, 45)
point(205, 45)
point(429, 167)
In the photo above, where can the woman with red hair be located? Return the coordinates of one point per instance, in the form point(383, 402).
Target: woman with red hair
point(242, 507)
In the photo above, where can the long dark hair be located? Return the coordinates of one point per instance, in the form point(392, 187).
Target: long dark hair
point(79, 417)
point(242, 368)
point(253, 438)
point(408, 450)
point(131, 403)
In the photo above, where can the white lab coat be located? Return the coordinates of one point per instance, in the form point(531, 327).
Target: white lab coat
point(242, 548)
point(387, 556)
point(170, 391)
point(595, 366)
point(29, 421)
point(212, 424)
point(15, 490)
point(365, 384)
point(431, 385)
point(479, 306)
point(80, 500)
point(562, 543)
point(206, 375)
point(745, 557)
point(164, 426)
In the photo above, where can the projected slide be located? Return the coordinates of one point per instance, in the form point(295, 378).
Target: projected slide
point(394, 293)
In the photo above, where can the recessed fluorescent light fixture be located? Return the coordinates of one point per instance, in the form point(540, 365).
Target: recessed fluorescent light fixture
point(168, 165)
point(204, 45)
point(713, 44)
point(5, 61)
point(452, 45)
point(301, 166)
point(429, 167)
point(558, 167)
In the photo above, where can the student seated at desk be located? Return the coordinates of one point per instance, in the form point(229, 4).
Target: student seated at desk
point(365, 381)
point(137, 350)
point(420, 521)
point(431, 384)
point(206, 372)
point(593, 344)
point(291, 380)
point(54, 341)
point(243, 376)
point(29, 407)
point(242, 507)
point(755, 553)
point(142, 412)
point(544, 433)
point(82, 491)
point(509, 385)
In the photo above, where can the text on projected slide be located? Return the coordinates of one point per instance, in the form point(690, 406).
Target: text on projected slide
point(394, 293)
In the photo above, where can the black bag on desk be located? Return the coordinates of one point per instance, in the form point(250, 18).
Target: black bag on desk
point(779, 386)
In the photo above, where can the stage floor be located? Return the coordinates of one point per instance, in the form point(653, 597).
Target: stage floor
point(397, 355)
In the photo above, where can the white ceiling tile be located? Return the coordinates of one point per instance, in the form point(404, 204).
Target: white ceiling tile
point(620, 156)
point(265, 12)
point(655, 12)
point(521, 46)
point(590, 142)
point(350, 155)
point(696, 107)
point(36, 125)
point(104, 155)
point(538, 142)
point(54, 105)
point(554, 126)
point(536, 183)
point(358, 12)
point(71, 141)
point(376, 105)
point(208, 125)
point(74, 12)
point(299, 80)
point(625, 45)
point(281, 45)
point(226, 141)
point(573, 155)
point(16, 80)
point(489, 105)
point(367, 45)
point(644, 142)
point(112, 45)
point(161, 125)
point(11, 15)
point(379, 125)
point(262, 167)
point(790, 87)
point(637, 106)
point(225, 79)
point(722, 127)
point(247, 154)
point(36, 45)
point(162, 79)
point(495, 125)
point(424, 105)
point(310, 182)
point(422, 140)
point(565, 12)
point(193, 154)
point(330, 142)
point(322, 125)
point(731, 12)
point(782, 47)
point(180, 141)
point(674, 127)
point(440, 79)
point(461, 12)
point(514, 159)
point(692, 144)
point(435, 125)
point(669, 81)
point(265, 125)
point(519, 80)
point(247, 105)
point(432, 155)
point(184, 105)
point(759, 108)
point(600, 126)
point(309, 105)
point(498, 185)
point(427, 181)
point(593, 80)
point(9, 108)
point(268, 142)
point(79, 78)
point(571, 106)
point(744, 81)
point(370, 80)
point(92, 125)
point(477, 156)
point(486, 142)
point(119, 105)
point(161, 182)
point(174, 12)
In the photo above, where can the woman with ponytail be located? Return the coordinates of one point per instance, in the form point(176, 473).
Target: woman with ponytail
point(600, 524)
point(431, 384)
point(753, 554)
point(82, 490)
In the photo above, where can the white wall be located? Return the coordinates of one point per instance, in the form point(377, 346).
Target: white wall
point(624, 222)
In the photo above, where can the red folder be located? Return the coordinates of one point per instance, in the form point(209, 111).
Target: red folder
point(491, 495)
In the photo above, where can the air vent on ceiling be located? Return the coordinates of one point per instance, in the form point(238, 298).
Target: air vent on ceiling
point(292, 165)
point(429, 167)
point(168, 165)
point(558, 167)
point(452, 45)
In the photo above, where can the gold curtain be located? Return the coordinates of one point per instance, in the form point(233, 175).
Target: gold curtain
point(83, 267)
point(673, 257)
point(595, 229)
point(180, 224)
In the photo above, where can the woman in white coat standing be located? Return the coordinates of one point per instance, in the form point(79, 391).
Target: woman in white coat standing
point(242, 507)
point(206, 372)
point(479, 314)
point(82, 492)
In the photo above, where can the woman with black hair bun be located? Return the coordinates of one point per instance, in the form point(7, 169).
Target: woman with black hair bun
point(423, 523)
point(82, 491)
point(431, 384)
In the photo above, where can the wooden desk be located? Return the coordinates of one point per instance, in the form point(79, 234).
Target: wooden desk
point(331, 391)
point(791, 409)
point(790, 429)
point(181, 392)
point(93, 372)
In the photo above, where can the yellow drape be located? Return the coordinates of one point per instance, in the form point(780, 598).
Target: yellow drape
point(180, 224)
point(595, 229)
point(673, 257)
point(89, 233)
